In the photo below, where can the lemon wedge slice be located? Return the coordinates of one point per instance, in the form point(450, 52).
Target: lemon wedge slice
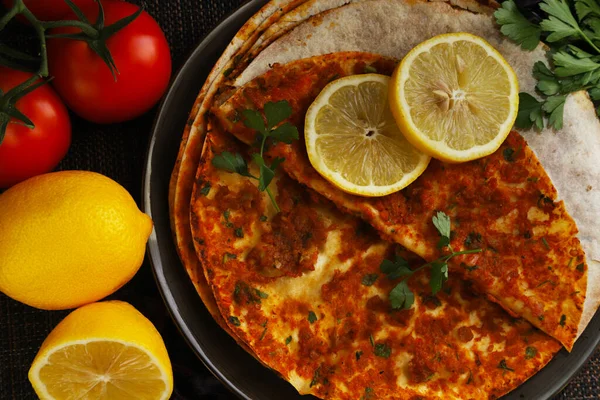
point(455, 97)
point(102, 351)
point(353, 141)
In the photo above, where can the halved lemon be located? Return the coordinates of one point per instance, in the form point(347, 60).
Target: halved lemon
point(455, 97)
point(101, 351)
point(353, 141)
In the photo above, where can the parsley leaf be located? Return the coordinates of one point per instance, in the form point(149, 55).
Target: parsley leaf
point(554, 106)
point(401, 297)
point(369, 279)
point(530, 352)
point(530, 112)
point(312, 317)
point(382, 350)
point(253, 120)
point(567, 64)
point(587, 7)
point(285, 133)
point(561, 22)
point(439, 275)
point(395, 269)
point(441, 221)
point(514, 25)
point(277, 112)
point(231, 163)
point(573, 38)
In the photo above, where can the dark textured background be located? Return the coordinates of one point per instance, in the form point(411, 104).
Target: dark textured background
point(118, 151)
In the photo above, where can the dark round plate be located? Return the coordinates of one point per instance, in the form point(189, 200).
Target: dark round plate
point(233, 366)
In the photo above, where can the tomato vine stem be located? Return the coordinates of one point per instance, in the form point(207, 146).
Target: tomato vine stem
point(95, 35)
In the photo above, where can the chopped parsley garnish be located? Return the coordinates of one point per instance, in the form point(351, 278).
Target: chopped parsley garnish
point(509, 154)
point(469, 268)
point(401, 297)
point(205, 189)
point(530, 352)
point(312, 317)
point(473, 240)
point(263, 218)
point(275, 114)
point(317, 378)
point(580, 267)
point(571, 28)
point(358, 355)
point(545, 243)
point(563, 319)
point(234, 321)
point(369, 279)
point(369, 394)
point(260, 294)
point(228, 223)
point(288, 340)
point(502, 365)
point(370, 70)
point(239, 232)
point(382, 350)
point(228, 256)
point(264, 332)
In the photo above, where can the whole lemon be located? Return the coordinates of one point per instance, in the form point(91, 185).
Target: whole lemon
point(103, 351)
point(69, 238)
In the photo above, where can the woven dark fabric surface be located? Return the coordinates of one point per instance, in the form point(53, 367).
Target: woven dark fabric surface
point(118, 151)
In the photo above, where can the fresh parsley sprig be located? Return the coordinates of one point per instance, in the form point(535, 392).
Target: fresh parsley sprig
point(275, 113)
point(572, 31)
point(401, 297)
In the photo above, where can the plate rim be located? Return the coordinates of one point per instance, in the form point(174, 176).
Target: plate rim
point(584, 348)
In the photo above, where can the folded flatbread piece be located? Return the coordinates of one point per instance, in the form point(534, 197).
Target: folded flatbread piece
point(395, 26)
point(302, 289)
point(532, 262)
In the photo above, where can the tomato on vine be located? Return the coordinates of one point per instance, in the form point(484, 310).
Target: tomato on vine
point(26, 151)
point(131, 42)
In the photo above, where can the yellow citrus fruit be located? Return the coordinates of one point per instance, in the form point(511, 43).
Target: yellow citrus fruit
point(106, 350)
point(69, 238)
point(455, 97)
point(353, 141)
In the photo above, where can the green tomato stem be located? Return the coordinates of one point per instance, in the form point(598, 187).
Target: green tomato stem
point(85, 28)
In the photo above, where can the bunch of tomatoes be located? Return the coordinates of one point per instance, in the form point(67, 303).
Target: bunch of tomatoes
point(83, 82)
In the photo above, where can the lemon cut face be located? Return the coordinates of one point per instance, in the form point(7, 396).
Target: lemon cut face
point(455, 97)
point(353, 141)
point(100, 351)
point(102, 369)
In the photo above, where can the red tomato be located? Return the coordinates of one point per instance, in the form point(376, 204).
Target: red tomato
point(28, 152)
point(49, 10)
point(84, 81)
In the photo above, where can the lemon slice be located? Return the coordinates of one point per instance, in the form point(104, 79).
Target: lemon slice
point(455, 97)
point(353, 141)
point(103, 351)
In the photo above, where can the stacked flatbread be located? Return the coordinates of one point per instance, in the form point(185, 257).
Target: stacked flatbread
point(301, 289)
